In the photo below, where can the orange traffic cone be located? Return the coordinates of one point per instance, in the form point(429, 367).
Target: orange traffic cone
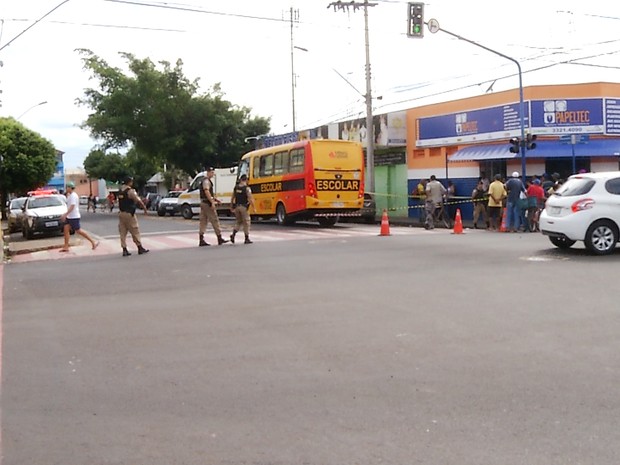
point(502, 228)
point(458, 223)
point(385, 224)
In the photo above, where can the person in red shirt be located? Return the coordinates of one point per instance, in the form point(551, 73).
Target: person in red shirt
point(536, 202)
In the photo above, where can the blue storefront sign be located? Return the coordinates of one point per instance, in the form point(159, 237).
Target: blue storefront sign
point(612, 116)
point(567, 116)
point(471, 126)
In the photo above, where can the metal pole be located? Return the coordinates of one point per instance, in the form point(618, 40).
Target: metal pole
point(522, 122)
point(573, 140)
point(370, 129)
point(521, 103)
point(293, 71)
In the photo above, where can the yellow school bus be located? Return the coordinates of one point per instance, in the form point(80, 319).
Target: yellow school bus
point(307, 179)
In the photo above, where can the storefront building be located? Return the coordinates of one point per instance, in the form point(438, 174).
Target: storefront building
point(577, 127)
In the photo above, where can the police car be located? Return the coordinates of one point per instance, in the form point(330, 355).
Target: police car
point(42, 212)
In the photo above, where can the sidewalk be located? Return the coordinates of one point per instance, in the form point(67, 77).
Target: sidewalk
point(15, 244)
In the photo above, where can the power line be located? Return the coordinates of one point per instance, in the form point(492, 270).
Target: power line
point(33, 24)
point(196, 10)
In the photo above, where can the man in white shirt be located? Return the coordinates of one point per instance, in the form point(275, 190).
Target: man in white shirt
point(72, 218)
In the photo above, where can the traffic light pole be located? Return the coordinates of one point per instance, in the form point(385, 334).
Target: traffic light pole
point(521, 103)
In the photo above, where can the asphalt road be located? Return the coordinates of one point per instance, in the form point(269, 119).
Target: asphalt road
point(480, 348)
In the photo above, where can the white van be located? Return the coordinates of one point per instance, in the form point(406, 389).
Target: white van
point(223, 186)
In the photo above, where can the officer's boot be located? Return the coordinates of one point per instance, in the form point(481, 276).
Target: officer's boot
point(142, 250)
point(126, 252)
point(247, 240)
point(201, 242)
point(221, 240)
point(232, 236)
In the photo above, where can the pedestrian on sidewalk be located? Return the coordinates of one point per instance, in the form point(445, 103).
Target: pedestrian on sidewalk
point(514, 188)
point(128, 200)
point(72, 219)
point(497, 194)
point(479, 195)
point(241, 201)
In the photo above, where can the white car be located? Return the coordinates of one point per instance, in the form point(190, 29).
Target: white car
point(585, 208)
point(169, 204)
point(42, 214)
point(16, 211)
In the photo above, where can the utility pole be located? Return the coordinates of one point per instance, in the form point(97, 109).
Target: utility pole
point(370, 130)
point(294, 17)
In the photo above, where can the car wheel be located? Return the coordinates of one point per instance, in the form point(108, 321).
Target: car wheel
point(601, 237)
point(561, 242)
point(187, 212)
point(161, 212)
point(327, 221)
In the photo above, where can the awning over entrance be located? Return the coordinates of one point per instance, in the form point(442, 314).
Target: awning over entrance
point(544, 149)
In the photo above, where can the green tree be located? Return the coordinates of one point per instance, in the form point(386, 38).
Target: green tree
point(109, 166)
point(163, 117)
point(27, 161)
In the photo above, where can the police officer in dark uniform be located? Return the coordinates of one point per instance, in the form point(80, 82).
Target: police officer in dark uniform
point(240, 202)
point(128, 199)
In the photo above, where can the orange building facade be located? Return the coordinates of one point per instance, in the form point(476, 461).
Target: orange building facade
point(576, 126)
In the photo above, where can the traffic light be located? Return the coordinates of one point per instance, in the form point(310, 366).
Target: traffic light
point(530, 143)
point(515, 145)
point(416, 19)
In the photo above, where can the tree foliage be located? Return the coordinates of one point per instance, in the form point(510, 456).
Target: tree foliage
point(28, 159)
point(160, 114)
point(114, 166)
point(110, 166)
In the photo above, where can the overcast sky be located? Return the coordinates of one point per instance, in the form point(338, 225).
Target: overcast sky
point(246, 46)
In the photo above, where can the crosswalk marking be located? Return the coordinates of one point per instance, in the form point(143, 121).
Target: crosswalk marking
point(110, 245)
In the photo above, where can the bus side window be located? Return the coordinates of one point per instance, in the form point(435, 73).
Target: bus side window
point(297, 161)
point(266, 165)
point(280, 163)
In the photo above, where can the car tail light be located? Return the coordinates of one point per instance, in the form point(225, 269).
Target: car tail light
point(584, 204)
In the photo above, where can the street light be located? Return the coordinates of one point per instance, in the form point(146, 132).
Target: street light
point(33, 106)
point(521, 101)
